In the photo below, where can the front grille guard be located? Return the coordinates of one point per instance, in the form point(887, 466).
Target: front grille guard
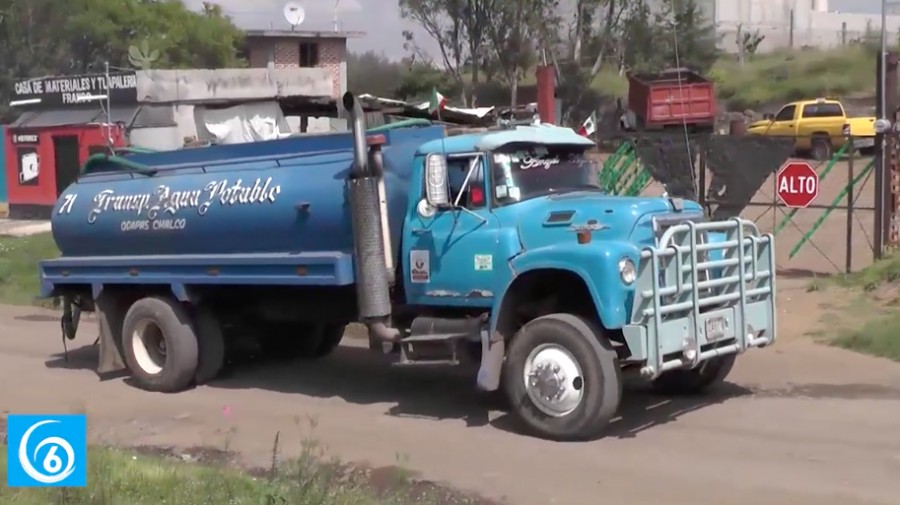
point(742, 282)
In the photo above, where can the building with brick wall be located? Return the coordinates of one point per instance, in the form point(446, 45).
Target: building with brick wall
point(301, 49)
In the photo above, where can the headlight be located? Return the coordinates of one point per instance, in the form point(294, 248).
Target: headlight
point(627, 271)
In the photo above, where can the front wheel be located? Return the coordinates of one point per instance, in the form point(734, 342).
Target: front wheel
point(562, 378)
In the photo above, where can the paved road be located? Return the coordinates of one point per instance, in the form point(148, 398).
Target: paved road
point(801, 424)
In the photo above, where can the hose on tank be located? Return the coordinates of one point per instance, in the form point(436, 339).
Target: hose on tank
point(101, 159)
point(406, 123)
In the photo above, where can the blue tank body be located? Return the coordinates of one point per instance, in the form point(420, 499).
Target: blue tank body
point(267, 197)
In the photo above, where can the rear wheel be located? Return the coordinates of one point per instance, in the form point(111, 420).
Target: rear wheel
point(562, 378)
point(160, 345)
point(821, 148)
point(303, 340)
point(211, 345)
point(695, 381)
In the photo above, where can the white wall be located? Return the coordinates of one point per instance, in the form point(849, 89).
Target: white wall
point(810, 25)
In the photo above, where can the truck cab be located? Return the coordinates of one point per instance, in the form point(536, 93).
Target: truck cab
point(498, 249)
point(512, 227)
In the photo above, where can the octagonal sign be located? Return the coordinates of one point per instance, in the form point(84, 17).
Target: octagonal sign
point(798, 184)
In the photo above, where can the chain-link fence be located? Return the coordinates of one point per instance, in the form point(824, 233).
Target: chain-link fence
point(737, 176)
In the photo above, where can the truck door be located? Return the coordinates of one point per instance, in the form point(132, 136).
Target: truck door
point(784, 125)
point(450, 257)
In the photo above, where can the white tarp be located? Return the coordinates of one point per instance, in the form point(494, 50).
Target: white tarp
point(478, 112)
point(249, 122)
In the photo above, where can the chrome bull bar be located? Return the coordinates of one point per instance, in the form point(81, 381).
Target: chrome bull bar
point(696, 298)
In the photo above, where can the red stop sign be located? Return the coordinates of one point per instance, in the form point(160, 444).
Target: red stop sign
point(798, 184)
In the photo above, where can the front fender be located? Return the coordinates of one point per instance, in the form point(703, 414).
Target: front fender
point(598, 267)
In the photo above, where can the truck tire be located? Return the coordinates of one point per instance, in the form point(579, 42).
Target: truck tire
point(331, 337)
point(697, 380)
point(210, 346)
point(160, 345)
point(820, 148)
point(566, 356)
point(304, 341)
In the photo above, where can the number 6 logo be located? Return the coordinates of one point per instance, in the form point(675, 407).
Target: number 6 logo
point(52, 464)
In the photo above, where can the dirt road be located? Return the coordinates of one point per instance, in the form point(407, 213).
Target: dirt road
point(800, 424)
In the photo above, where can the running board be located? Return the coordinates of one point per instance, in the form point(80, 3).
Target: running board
point(429, 350)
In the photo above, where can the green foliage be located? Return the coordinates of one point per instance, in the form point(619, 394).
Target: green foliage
point(19, 277)
point(786, 76)
point(878, 337)
point(46, 37)
point(373, 73)
point(676, 34)
point(117, 476)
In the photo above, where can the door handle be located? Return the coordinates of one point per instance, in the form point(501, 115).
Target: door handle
point(421, 231)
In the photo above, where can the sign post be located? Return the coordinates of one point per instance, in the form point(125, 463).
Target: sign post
point(798, 184)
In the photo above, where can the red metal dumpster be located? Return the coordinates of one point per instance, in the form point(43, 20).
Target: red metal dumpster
point(676, 97)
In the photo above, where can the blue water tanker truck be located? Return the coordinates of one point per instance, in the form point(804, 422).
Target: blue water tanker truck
point(496, 249)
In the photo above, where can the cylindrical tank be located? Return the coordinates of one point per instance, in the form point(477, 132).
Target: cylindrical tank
point(296, 204)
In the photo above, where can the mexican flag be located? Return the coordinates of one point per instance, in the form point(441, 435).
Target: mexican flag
point(589, 126)
point(437, 102)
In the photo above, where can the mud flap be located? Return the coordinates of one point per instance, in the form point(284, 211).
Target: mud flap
point(110, 315)
point(493, 350)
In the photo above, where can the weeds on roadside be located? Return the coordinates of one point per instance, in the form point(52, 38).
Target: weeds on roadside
point(131, 478)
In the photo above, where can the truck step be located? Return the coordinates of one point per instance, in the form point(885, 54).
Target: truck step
point(430, 349)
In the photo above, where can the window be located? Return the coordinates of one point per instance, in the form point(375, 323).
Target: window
point(531, 170)
point(473, 193)
point(786, 114)
point(823, 110)
point(309, 54)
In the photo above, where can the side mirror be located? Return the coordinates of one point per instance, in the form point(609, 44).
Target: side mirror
point(437, 183)
point(768, 116)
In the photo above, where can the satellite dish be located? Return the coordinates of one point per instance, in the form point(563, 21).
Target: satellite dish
point(294, 14)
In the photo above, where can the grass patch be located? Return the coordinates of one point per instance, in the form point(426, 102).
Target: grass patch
point(786, 76)
point(878, 337)
point(869, 320)
point(19, 276)
point(881, 272)
point(136, 478)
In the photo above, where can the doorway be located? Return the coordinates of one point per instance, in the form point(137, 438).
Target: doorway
point(65, 152)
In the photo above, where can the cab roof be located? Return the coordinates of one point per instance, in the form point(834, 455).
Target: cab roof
point(539, 134)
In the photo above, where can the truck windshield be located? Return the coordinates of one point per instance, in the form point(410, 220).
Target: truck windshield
point(528, 171)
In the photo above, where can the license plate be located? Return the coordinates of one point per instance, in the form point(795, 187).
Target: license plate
point(715, 328)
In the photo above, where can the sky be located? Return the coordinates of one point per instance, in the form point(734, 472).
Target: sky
point(385, 36)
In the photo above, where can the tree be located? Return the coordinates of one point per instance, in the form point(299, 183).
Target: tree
point(46, 37)
point(443, 21)
point(512, 36)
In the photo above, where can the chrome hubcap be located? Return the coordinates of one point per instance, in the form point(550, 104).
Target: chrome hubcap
point(553, 380)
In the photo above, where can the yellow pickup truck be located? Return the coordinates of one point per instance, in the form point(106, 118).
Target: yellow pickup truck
point(819, 127)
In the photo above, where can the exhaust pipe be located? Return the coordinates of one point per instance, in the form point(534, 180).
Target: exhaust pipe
point(372, 282)
point(358, 127)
